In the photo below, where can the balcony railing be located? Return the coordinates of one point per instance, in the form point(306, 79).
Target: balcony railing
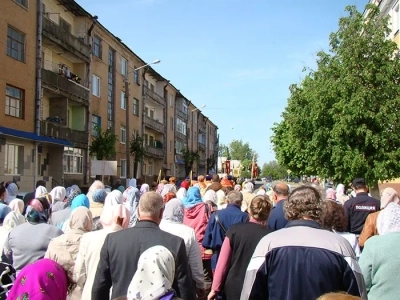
point(65, 40)
point(153, 124)
point(78, 138)
point(180, 136)
point(202, 146)
point(181, 114)
point(66, 87)
point(154, 152)
point(153, 95)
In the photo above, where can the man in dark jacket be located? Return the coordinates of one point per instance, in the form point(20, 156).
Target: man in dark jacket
point(358, 208)
point(221, 221)
point(277, 218)
point(121, 251)
point(302, 260)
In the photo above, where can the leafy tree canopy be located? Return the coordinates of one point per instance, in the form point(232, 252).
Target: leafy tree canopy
point(273, 169)
point(238, 150)
point(103, 145)
point(341, 121)
point(189, 157)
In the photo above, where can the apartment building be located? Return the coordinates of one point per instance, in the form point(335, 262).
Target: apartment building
point(170, 158)
point(65, 95)
point(116, 94)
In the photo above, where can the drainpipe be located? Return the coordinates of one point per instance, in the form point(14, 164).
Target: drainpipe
point(89, 84)
point(38, 100)
point(165, 140)
point(143, 116)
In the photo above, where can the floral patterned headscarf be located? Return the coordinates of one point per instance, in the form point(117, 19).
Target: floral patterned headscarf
point(44, 279)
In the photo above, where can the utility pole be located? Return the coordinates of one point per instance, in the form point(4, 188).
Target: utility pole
point(127, 138)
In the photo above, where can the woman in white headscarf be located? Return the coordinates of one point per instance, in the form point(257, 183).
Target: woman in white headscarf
point(210, 197)
point(172, 222)
point(389, 195)
point(168, 188)
point(113, 198)
point(248, 195)
point(96, 185)
point(12, 220)
point(131, 203)
point(144, 189)
point(340, 194)
point(40, 190)
point(154, 276)
point(17, 205)
point(58, 195)
point(12, 191)
point(379, 260)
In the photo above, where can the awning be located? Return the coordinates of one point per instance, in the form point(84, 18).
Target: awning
point(33, 137)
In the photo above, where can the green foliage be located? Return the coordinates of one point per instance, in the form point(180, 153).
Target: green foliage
point(274, 170)
point(223, 151)
point(189, 157)
point(341, 121)
point(103, 146)
point(239, 150)
point(137, 151)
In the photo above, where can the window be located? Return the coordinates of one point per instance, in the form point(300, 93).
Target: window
point(151, 141)
point(23, 3)
point(146, 111)
point(152, 87)
point(73, 160)
point(123, 101)
point(171, 103)
point(96, 125)
point(15, 44)
point(185, 109)
point(123, 168)
point(136, 107)
point(171, 144)
point(135, 75)
point(65, 25)
point(97, 46)
point(14, 159)
point(150, 168)
point(123, 134)
point(152, 114)
point(14, 101)
point(171, 123)
point(96, 86)
point(180, 126)
point(124, 67)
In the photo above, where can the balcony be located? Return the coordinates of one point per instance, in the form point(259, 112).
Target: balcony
point(181, 114)
point(202, 162)
point(154, 151)
point(154, 124)
point(153, 95)
point(180, 136)
point(65, 87)
point(78, 138)
point(54, 35)
point(202, 127)
point(202, 146)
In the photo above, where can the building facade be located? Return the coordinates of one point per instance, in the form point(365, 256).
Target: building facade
point(70, 77)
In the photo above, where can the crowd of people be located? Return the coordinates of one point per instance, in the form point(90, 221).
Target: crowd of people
point(201, 238)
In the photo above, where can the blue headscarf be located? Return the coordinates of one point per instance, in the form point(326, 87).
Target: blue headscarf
point(80, 200)
point(192, 198)
point(132, 202)
point(71, 194)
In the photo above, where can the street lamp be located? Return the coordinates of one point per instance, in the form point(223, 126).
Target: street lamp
point(197, 108)
point(127, 144)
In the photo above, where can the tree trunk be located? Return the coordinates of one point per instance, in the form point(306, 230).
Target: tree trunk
point(135, 168)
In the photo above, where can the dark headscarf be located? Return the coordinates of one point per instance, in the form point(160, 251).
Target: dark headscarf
point(40, 212)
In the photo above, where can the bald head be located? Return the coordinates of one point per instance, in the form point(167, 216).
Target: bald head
point(281, 191)
point(151, 207)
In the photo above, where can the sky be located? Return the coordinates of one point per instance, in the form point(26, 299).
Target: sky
point(237, 57)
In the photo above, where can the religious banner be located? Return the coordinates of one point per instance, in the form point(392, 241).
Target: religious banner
point(228, 167)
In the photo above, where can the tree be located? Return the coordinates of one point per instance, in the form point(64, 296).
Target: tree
point(273, 169)
point(239, 150)
point(103, 145)
point(341, 121)
point(189, 157)
point(137, 151)
point(223, 151)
